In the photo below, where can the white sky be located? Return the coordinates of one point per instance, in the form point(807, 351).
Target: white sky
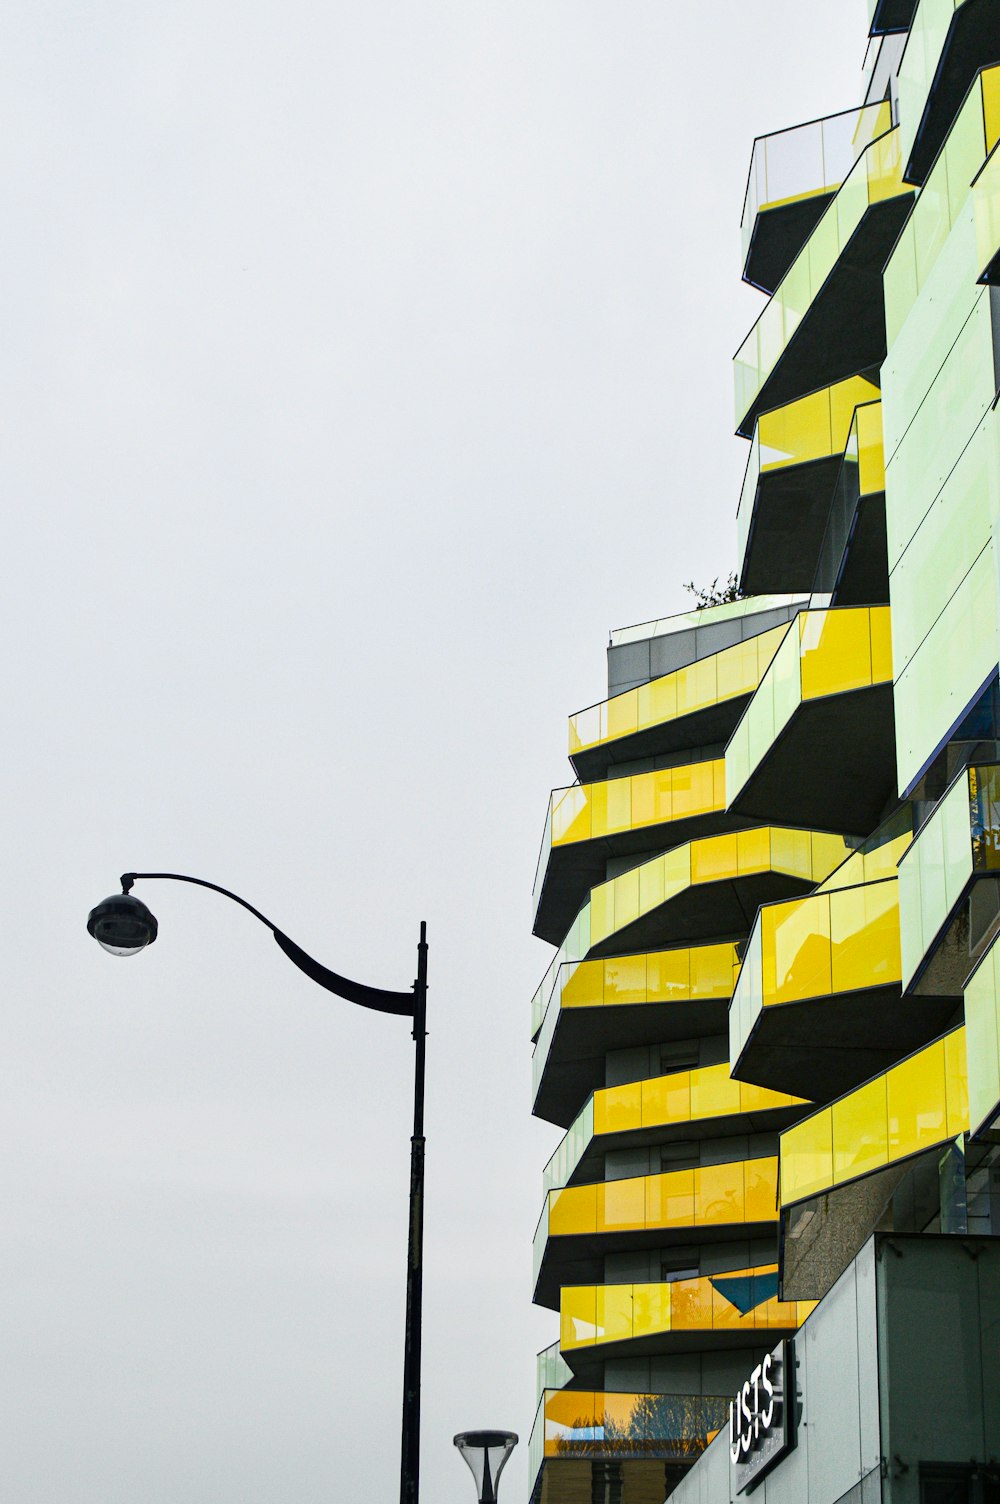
point(364, 364)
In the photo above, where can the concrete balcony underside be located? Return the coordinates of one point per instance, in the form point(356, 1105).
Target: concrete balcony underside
point(587, 1364)
point(842, 332)
point(712, 725)
point(779, 234)
point(832, 767)
point(575, 1064)
point(892, 15)
point(822, 1047)
point(791, 510)
point(972, 42)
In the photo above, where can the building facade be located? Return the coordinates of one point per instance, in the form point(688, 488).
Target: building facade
point(770, 1026)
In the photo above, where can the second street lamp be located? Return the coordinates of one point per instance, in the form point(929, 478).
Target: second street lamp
point(124, 926)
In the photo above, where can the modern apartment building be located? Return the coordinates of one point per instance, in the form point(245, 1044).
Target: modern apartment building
point(771, 1025)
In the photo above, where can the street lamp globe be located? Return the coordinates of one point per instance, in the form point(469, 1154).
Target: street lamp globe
point(122, 925)
point(486, 1452)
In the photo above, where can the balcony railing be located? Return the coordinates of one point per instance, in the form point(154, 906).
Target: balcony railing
point(826, 653)
point(702, 686)
point(945, 925)
point(807, 161)
point(947, 40)
point(862, 474)
point(919, 1104)
point(969, 143)
point(594, 1316)
point(583, 1424)
point(875, 178)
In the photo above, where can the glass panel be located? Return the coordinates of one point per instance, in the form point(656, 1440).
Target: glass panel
point(618, 1109)
point(916, 1103)
point(807, 1157)
point(802, 951)
point(860, 1133)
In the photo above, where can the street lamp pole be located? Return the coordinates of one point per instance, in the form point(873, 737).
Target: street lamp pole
point(123, 925)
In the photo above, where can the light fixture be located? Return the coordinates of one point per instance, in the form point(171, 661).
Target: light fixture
point(486, 1452)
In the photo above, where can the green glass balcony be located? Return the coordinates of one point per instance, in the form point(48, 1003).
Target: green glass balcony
point(794, 174)
point(826, 319)
point(795, 458)
point(949, 888)
point(965, 159)
point(982, 1031)
point(591, 1007)
point(575, 1428)
point(949, 42)
point(816, 746)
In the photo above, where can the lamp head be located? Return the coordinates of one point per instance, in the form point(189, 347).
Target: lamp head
point(486, 1452)
point(122, 925)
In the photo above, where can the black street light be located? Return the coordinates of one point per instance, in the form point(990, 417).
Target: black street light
point(124, 926)
point(486, 1452)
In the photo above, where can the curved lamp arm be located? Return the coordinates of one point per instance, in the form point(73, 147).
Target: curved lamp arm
point(402, 1003)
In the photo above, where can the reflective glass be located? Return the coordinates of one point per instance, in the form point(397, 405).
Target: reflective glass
point(577, 1316)
point(613, 1309)
point(982, 1025)
point(917, 1105)
point(666, 1099)
point(835, 651)
point(860, 1131)
point(807, 1157)
point(618, 1109)
point(582, 985)
point(621, 1205)
point(801, 951)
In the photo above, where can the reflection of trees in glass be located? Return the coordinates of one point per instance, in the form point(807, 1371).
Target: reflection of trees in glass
point(671, 1426)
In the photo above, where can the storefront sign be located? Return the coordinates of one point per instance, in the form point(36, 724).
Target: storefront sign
point(761, 1420)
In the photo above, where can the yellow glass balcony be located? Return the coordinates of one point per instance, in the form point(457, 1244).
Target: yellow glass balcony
point(650, 998)
point(590, 822)
point(920, 1104)
point(579, 1224)
point(971, 139)
point(576, 1426)
point(949, 41)
point(949, 893)
point(691, 890)
point(816, 745)
point(793, 175)
point(818, 1005)
point(796, 454)
point(813, 332)
point(660, 1109)
point(602, 1316)
point(695, 706)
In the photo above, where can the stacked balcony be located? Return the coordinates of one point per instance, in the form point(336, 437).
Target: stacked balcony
point(657, 1242)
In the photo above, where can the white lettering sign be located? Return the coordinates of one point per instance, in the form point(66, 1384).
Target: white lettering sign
point(760, 1421)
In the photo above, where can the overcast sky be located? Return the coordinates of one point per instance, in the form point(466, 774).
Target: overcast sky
point(363, 365)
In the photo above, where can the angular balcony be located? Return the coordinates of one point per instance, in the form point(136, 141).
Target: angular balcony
point(819, 1006)
point(707, 889)
point(826, 320)
point(986, 199)
point(576, 1427)
point(982, 1038)
point(704, 1103)
point(794, 174)
point(888, 16)
point(816, 746)
point(590, 823)
point(949, 884)
point(840, 1166)
point(795, 458)
point(965, 159)
point(580, 1225)
point(853, 564)
point(601, 1322)
point(949, 42)
point(695, 706)
point(591, 1007)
